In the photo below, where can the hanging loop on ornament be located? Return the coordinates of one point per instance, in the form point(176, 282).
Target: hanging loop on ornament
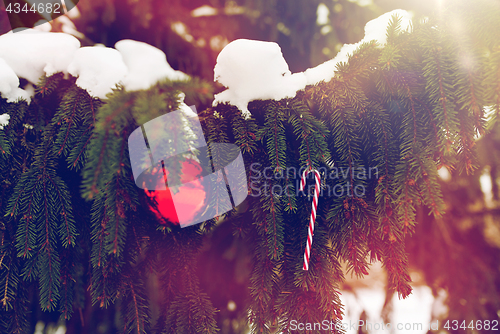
point(310, 233)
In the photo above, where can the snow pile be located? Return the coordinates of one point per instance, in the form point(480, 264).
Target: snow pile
point(375, 30)
point(9, 83)
point(32, 53)
point(98, 69)
point(255, 70)
point(146, 65)
point(4, 120)
point(251, 70)
point(135, 65)
point(8, 79)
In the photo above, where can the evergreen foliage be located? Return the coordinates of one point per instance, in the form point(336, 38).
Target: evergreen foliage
point(396, 112)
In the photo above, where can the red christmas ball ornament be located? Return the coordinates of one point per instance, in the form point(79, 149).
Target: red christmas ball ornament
point(189, 199)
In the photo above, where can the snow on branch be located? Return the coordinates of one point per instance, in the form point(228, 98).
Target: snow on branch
point(4, 120)
point(251, 70)
point(146, 65)
point(256, 70)
point(30, 54)
point(98, 69)
point(9, 84)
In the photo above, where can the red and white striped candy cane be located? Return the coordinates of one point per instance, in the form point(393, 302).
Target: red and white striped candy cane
point(310, 234)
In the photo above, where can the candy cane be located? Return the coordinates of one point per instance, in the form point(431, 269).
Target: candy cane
point(310, 234)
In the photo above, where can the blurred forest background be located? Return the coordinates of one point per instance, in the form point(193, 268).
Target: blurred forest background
point(457, 256)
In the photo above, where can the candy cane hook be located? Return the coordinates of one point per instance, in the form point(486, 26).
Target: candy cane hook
point(310, 233)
